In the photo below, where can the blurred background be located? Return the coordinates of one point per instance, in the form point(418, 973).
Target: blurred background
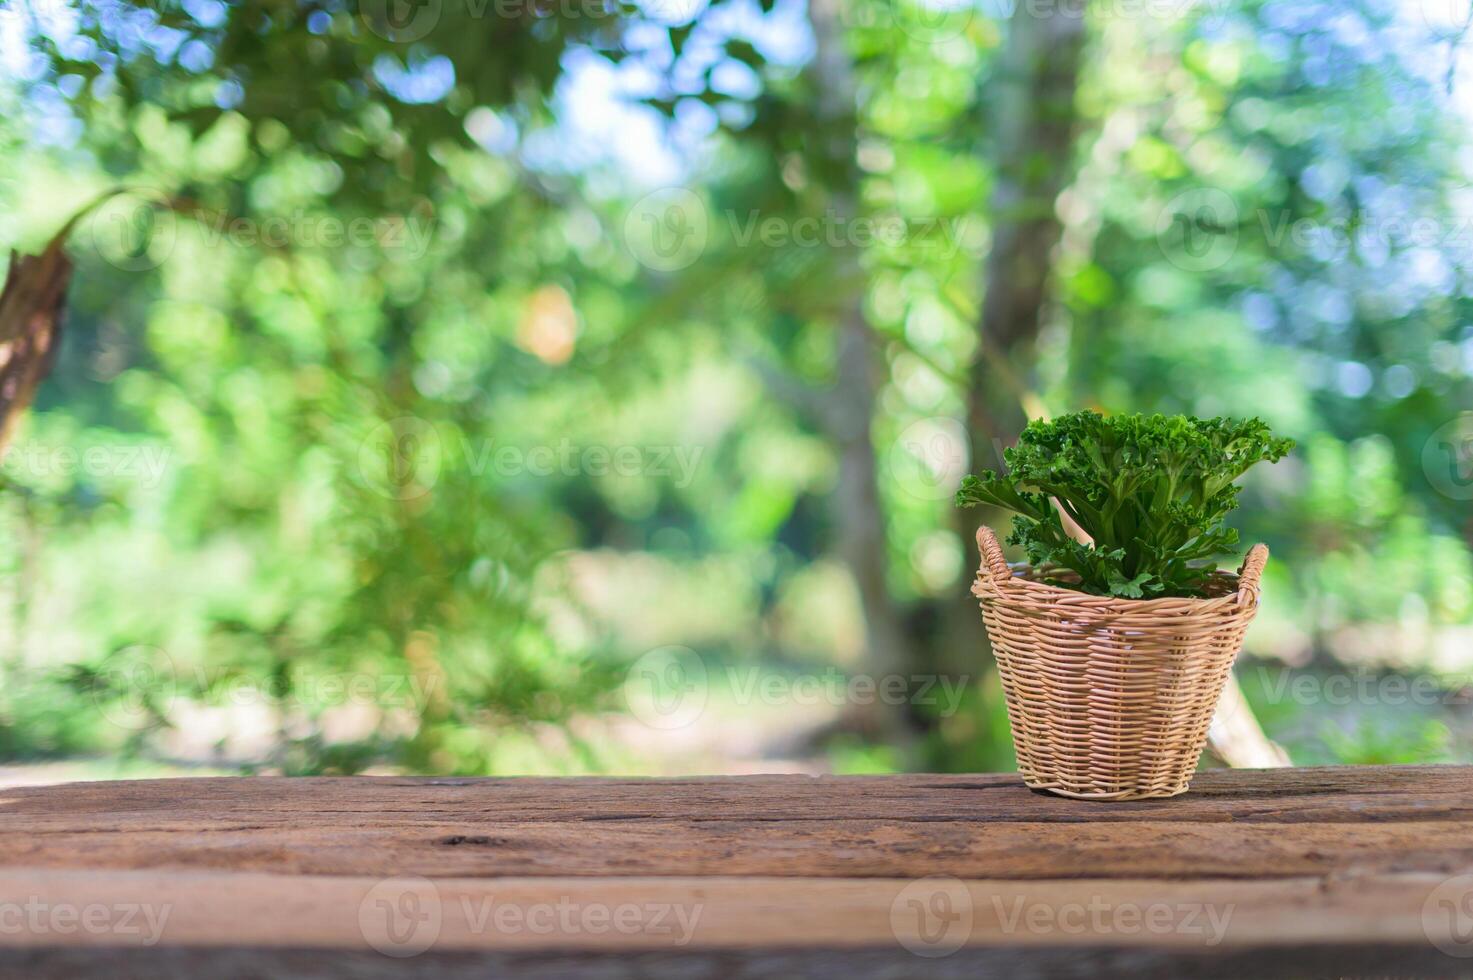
point(575, 386)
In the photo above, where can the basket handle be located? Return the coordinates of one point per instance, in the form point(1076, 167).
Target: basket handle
point(993, 562)
point(1250, 573)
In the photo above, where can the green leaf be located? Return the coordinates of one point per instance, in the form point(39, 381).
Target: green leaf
point(1131, 589)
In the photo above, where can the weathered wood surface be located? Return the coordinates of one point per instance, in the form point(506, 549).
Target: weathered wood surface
point(902, 826)
point(1339, 871)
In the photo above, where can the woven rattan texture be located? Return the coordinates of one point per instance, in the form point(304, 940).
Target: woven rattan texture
point(1110, 698)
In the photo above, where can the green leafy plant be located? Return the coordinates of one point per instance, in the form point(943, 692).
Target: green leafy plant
point(1152, 491)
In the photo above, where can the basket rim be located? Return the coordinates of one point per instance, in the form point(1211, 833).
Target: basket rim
point(990, 578)
point(1019, 582)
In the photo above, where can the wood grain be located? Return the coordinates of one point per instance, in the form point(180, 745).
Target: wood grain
point(1330, 795)
point(227, 909)
point(1310, 871)
point(837, 849)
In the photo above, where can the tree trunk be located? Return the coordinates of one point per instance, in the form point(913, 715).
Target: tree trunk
point(30, 333)
point(1236, 738)
point(1033, 124)
point(30, 326)
point(859, 516)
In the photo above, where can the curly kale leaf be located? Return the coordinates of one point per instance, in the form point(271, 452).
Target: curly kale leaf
point(1152, 491)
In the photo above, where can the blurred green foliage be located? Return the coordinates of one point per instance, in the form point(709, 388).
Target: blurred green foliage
point(349, 373)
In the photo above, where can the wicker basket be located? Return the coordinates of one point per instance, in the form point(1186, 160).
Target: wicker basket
point(1110, 698)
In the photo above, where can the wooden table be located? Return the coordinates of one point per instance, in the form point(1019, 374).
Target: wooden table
point(1306, 872)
